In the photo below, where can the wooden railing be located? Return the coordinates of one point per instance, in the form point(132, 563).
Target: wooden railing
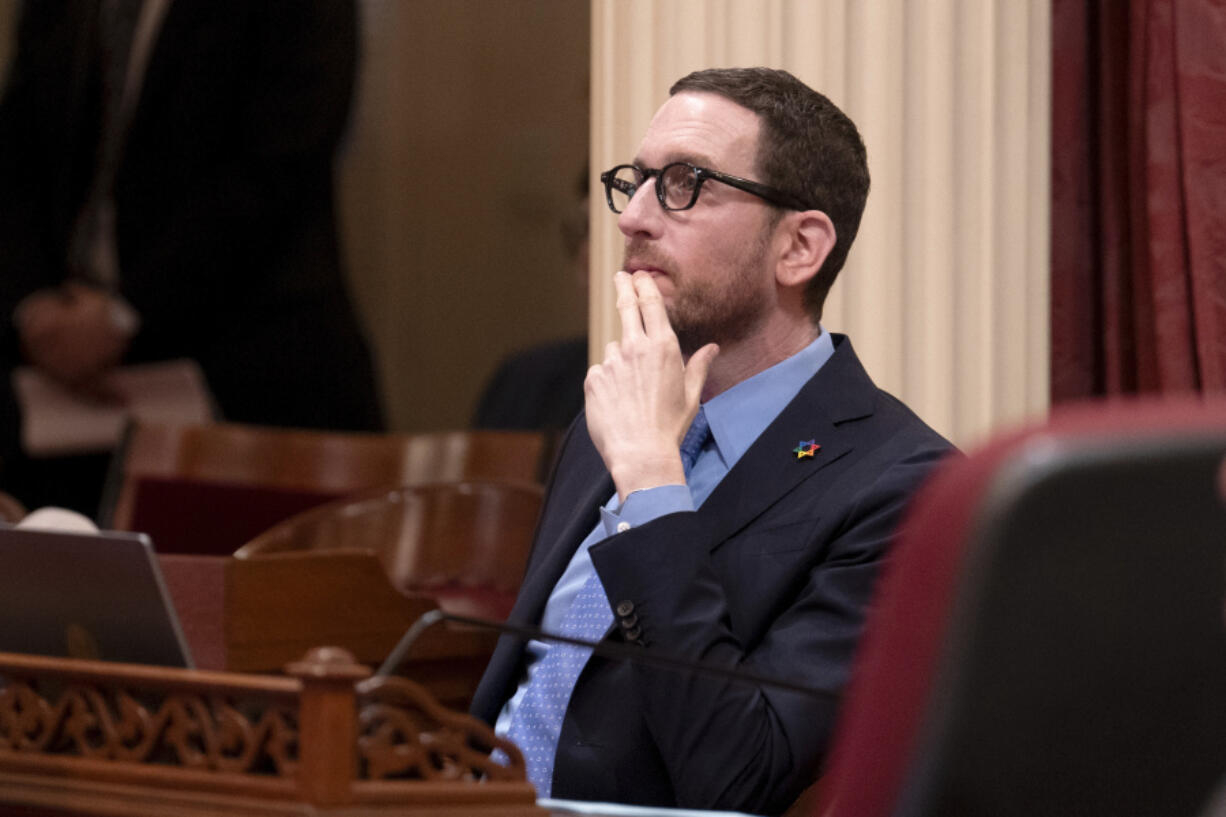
point(82, 737)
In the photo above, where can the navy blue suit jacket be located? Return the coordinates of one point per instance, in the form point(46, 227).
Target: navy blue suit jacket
point(773, 574)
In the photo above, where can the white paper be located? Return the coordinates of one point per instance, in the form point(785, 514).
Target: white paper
point(56, 421)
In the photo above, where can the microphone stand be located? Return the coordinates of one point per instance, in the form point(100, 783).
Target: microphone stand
point(605, 649)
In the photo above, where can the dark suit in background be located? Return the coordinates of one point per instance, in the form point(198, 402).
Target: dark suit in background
point(225, 227)
point(537, 389)
point(772, 573)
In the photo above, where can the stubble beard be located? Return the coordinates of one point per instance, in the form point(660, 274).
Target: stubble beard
point(723, 309)
point(705, 313)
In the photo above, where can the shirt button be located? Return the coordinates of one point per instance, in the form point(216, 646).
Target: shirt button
point(625, 608)
point(622, 527)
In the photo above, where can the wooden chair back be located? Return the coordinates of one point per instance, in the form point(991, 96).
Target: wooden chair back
point(464, 543)
point(210, 488)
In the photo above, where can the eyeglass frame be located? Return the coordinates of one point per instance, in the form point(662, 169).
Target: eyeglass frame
point(765, 192)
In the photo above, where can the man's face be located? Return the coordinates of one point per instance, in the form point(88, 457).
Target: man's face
point(710, 262)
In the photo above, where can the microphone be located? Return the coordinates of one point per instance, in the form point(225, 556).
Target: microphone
point(605, 649)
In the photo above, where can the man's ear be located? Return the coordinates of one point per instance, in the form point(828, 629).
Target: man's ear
point(809, 237)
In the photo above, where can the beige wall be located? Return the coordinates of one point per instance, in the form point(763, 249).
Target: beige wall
point(469, 135)
point(945, 291)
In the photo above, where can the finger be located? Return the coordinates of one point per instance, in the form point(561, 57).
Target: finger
point(696, 372)
point(628, 306)
point(651, 305)
point(612, 352)
point(598, 375)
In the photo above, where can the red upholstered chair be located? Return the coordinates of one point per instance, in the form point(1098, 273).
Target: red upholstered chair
point(463, 543)
point(208, 489)
point(1049, 636)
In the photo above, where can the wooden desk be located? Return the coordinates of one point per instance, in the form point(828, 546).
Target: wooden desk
point(258, 614)
point(92, 738)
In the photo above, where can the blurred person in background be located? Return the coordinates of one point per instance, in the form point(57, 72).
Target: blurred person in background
point(166, 192)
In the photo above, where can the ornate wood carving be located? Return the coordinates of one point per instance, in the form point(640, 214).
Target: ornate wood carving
point(195, 731)
point(405, 734)
point(150, 741)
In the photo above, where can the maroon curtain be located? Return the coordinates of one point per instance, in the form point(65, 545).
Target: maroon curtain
point(1138, 197)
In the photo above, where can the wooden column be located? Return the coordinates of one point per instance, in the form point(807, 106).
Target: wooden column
point(327, 729)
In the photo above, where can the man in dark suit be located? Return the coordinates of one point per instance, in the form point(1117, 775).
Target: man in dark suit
point(166, 191)
point(735, 481)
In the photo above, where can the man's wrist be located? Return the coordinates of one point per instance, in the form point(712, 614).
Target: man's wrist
point(643, 475)
point(641, 507)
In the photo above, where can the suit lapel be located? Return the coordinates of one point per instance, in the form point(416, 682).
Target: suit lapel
point(575, 498)
point(579, 486)
point(822, 411)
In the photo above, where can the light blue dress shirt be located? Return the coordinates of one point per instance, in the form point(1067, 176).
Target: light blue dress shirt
point(737, 417)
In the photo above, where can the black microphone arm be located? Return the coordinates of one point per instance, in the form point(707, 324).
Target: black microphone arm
point(605, 649)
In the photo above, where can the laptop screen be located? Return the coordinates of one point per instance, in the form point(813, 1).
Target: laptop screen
point(95, 596)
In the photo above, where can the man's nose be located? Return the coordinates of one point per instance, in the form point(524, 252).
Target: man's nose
point(643, 213)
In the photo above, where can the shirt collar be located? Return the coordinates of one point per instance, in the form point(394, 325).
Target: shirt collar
point(740, 414)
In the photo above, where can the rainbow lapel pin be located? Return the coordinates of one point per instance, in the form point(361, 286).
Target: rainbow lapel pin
point(806, 449)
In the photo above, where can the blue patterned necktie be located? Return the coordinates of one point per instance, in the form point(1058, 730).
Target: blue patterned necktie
point(538, 720)
point(694, 440)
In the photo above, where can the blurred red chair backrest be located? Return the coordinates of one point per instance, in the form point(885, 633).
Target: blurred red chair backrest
point(994, 633)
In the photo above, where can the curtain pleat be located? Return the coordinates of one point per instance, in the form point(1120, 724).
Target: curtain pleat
point(1138, 197)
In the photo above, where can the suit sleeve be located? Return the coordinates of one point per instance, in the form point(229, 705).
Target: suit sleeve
point(737, 745)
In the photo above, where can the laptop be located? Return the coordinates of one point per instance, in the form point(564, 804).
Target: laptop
point(94, 596)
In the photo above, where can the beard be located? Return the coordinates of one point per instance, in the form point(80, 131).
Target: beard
point(722, 312)
point(724, 306)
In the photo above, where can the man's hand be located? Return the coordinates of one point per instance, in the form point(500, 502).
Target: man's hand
point(641, 400)
point(71, 334)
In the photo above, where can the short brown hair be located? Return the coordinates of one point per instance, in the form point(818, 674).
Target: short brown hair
point(808, 147)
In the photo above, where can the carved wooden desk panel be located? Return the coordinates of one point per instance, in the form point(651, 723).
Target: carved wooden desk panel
point(91, 738)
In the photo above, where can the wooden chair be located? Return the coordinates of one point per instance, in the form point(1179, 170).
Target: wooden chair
point(10, 509)
point(210, 488)
point(463, 543)
point(1049, 638)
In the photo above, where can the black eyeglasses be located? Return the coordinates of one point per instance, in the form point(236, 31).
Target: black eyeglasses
point(678, 184)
